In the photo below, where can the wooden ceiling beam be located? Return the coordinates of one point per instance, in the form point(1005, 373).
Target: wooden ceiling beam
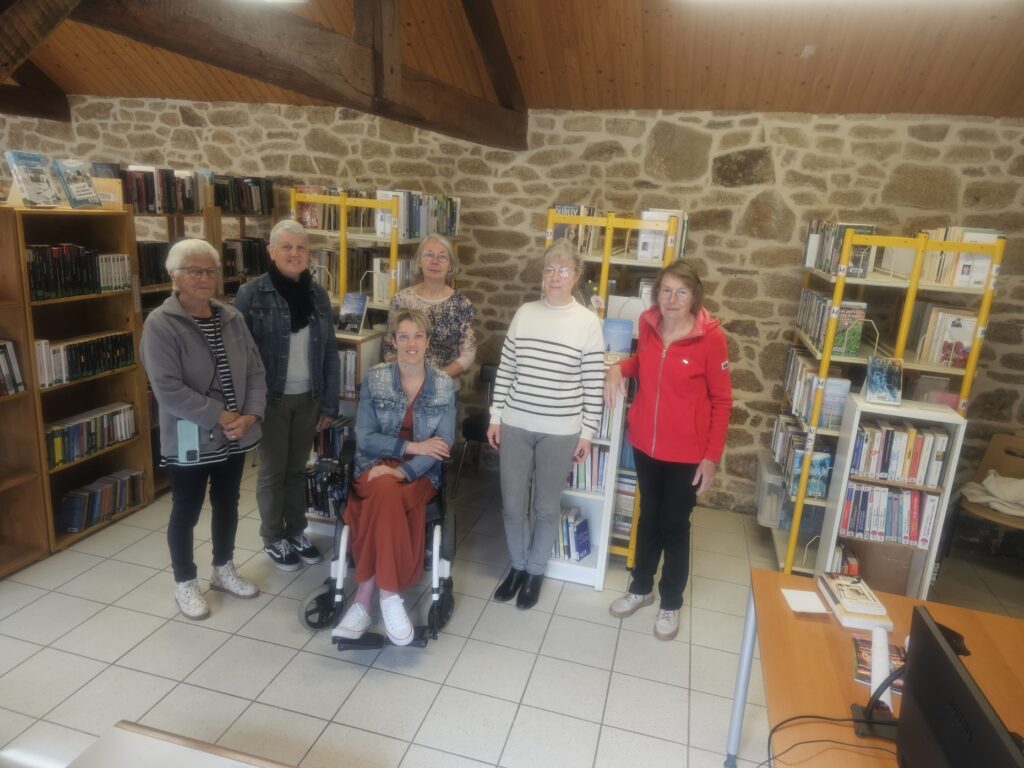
point(483, 20)
point(25, 23)
point(377, 26)
point(281, 48)
point(35, 95)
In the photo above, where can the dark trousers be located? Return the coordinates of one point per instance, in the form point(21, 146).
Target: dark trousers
point(188, 491)
point(667, 497)
point(289, 425)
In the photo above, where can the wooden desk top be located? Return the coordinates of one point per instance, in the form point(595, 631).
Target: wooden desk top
point(808, 664)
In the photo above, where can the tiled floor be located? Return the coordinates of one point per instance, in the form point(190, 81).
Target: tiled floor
point(91, 636)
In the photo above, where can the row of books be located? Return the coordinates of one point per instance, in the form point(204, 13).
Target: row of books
point(153, 190)
point(152, 258)
point(65, 269)
point(825, 244)
point(11, 380)
point(877, 513)
point(573, 540)
point(588, 475)
point(327, 216)
point(381, 268)
point(844, 560)
point(60, 362)
point(800, 383)
point(70, 439)
point(788, 448)
point(245, 256)
point(100, 500)
point(585, 237)
point(813, 315)
point(247, 195)
point(903, 453)
point(944, 334)
point(622, 512)
point(328, 442)
point(951, 267)
point(348, 362)
point(419, 214)
point(323, 265)
point(325, 491)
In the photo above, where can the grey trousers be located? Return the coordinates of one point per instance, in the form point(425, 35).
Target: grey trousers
point(288, 428)
point(547, 459)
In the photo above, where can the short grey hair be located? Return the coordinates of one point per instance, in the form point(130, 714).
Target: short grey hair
point(287, 225)
point(453, 265)
point(563, 250)
point(193, 246)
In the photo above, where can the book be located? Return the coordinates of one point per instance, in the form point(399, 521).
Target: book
point(849, 328)
point(618, 337)
point(34, 184)
point(883, 382)
point(853, 602)
point(650, 244)
point(862, 654)
point(77, 183)
point(353, 312)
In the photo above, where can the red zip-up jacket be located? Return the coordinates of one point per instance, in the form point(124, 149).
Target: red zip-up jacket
point(684, 398)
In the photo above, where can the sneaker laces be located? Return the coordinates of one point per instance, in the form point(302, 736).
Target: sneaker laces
point(281, 547)
point(665, 615)
point(301, 542)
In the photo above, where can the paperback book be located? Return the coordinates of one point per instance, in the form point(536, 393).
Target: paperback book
point(33, 180)
point(862, 654)
point(618, 338)
point(77, 183)
point(353, 312)
point(883, 383)
point(853, 602)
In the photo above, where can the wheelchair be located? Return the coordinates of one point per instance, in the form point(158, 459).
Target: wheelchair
point(325, 606)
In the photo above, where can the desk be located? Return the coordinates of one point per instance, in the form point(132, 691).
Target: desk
point(808, 665)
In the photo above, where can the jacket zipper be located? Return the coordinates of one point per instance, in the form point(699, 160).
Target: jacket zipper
point(657, 398)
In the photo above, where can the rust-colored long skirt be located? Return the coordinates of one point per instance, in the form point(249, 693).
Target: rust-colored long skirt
point(388, 520)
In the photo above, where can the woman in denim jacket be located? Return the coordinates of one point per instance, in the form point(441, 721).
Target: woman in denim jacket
point(290, 318)
point(404, 430)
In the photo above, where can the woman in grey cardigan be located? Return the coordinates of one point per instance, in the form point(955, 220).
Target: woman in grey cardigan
point(208, 379)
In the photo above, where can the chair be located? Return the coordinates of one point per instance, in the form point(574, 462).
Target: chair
point(474, 426)
point(1005, 454)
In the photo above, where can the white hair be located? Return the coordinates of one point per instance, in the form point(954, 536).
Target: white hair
point(287, 225)
point(190, 247)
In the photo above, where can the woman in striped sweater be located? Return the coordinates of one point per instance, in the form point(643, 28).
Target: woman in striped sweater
point(547, 406)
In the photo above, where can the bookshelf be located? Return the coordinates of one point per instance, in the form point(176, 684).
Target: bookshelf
point(357, 352)
point(34, 484)
point(597, 505)
point(910, 284)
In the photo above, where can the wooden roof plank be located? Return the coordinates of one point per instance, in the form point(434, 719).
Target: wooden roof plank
point(26, 23)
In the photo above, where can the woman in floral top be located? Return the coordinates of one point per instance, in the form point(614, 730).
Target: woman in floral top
point(452, 346)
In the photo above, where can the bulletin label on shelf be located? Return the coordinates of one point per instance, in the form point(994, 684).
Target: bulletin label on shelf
point(833, 312)
point(963, 405)
point(812, 433)
point(394, 274)
point(996, 269)
point(981, 331)
point(841, 270)
point(549, 234)
point(819, 383)
point(671, 240)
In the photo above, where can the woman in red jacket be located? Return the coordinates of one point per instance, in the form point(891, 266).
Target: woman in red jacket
point(677, 426)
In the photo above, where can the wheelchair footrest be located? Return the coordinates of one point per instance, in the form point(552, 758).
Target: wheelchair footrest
point(373, 641)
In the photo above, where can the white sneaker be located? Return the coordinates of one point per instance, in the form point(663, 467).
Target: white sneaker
point(629, 604)
point(190, 600)
point(666, 626)
point(353, 624)
point(226, 579)
point(396, 620)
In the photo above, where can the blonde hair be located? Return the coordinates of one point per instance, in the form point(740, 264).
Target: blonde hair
point(417, 264)
point(409, 316)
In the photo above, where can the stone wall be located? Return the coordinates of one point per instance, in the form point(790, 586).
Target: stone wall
point(750, 182)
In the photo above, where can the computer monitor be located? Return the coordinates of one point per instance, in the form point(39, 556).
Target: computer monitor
point(945, 719)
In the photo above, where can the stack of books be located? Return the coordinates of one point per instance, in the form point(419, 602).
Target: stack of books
point(70, 439)
point(853, 602)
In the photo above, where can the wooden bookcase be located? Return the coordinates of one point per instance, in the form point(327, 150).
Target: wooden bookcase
point(24, 447)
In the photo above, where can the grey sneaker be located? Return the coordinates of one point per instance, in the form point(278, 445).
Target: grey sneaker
point(226, 579)
point(666, 626)
point(190, 600)
point(629, 604)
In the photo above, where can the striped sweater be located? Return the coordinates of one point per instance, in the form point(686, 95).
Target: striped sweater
point(551, 375)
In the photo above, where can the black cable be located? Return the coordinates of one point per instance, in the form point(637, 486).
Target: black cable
point(825, 741)
point(882, 686)
point(826, 718)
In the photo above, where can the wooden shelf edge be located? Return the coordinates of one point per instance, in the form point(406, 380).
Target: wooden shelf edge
point(14, 557)
point(895, 484)
point(15, 477)
point(874, 542)
point(15, 396)
point(82, 297)
point(94, 377)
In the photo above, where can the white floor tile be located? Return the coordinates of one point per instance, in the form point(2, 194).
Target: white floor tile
point(151, 551)
point(643, 706)
point(732, 543)
point(619, 748)
point(568, 688)
point(44, 680)
point(467, 613)
point(303, 581)
point(616, 578)
point(643, 620)
point(11, 725)
point(715, 672)
point(115, 694)
point(248, 535)
point(195, 712)
point(709, 726)
point(476, 579)
point(13, 652)
point(480, 548)
point(110, 540)
point(360, 748)
point(580, 641)
point(155, 596)
point(273, 733)
point(715, 595)
point(700, 758)
point(229, 613)
point(647, 656)
point(423, 757)
point(174, 650)
point(713, 629)
point(44, 744)
point(108, 582)
point(49, 617)
point(467, 724)
point(278, 623)
point(389, 704)
point(14, 596)
point(56, 569)
point(152, 518)
point(546, 738)
point(313, 685)
point(261, 571)
point(493, 670)
point(109, 634)
point(490, 525)
point(505, 624)
point(735, 570)
point(241, 667)
point(719, 520)
point(579, 601)
point(321, 644)
point(431, 663)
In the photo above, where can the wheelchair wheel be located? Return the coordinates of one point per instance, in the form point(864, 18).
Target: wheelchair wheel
point(318, 609)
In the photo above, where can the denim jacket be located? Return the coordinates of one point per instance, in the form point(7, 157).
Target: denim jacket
point(266, 313)
point(382, 406)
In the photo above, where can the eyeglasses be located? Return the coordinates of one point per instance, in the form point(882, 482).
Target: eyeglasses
point(197, 272)
point(439, 256)
point(563, 272)
point(680, 293)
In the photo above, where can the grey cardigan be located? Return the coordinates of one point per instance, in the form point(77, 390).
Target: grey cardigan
point(183, 374)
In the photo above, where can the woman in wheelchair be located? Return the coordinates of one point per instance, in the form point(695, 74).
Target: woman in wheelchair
point(405, 426)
